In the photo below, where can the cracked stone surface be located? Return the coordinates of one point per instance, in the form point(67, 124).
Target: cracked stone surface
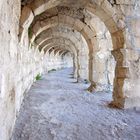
point(57, 108)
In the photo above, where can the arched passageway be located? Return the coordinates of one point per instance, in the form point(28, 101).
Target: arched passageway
point(99, 39)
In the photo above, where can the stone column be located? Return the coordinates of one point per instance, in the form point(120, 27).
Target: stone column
point(74, 68)
point(126, 92)
point(127, 74)
point(90, 67)
point(121, 73)
point(78, 66)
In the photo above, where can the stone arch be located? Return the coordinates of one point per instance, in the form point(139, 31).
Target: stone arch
point(62, 53)
point(43, 38)
point(59, 39)
point(110, 16)
point(75, 52)
point(58, 46)
point(68, 41)
point(86, 32)
point(65, 51)
point(54, 61)
point(56, 51)
point(62, 48)
point(103, 9)
point(104, 62)
point(79, 26)
point(78, 41)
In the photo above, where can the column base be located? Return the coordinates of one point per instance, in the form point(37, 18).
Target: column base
point(126, 103)
point(92, 87)
point(114, 104)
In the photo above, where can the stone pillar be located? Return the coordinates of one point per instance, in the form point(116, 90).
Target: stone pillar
point(121, 74)
point(132, 84)
point(90, 67)
point(78, 66)
point(74, 68)
point(126, 92)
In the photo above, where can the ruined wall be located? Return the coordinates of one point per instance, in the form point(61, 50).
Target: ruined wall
point(9, 22)
point(57, 61)
point(131, 10)
point(83, 60)
point(19, 65)
point(67, 61)
point(103, 60)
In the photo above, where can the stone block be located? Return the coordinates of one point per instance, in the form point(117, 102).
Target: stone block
point(88, 32)
point(122, 72)
point(111, 25)
point(38, 6)
point(69, 21)
point(78, 25)
point(27, 17)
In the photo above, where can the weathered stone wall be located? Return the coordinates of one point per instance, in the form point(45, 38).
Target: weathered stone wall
point(57, 61)
point(19, 66)
point(9, 22)
point(131, 53)
point(67, 61)
point(103, 61)
point(83, 60)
